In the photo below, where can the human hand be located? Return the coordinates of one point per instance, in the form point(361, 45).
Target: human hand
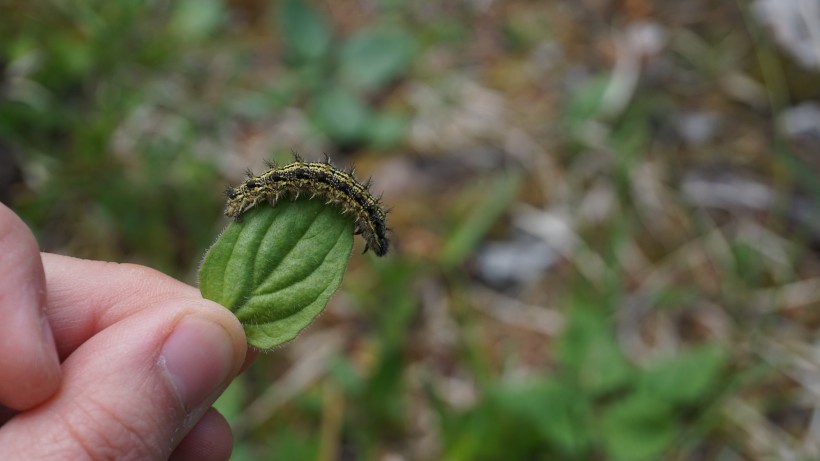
point(108, 361)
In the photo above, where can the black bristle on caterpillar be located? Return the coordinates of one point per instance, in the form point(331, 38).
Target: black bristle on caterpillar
point(316, 179)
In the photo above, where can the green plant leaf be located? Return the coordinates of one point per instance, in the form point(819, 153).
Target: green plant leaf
point(305, 33)
point(387, 129)
point(589, 348)
point(557, 411)
point(374, 57)
point(604, 368)
point(340, 114)
point(638, 428)
point(277, 268)
point(686, 377)
point(196, 19)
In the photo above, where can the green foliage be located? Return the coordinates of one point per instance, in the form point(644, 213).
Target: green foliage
point(558, 412)
point(373, 58)
point(277, 268)
point(596, 403)
point(306, 34)
point(685, 378)
point(639, 428)
point(589, 349)
point(340, 114)
point(77, 75)
point(548, 418)
point(378, 410)
point(584, 107)
point(387, 128)
point(195, 20)
point(645, 423)
point(289, 444)
point(119, 115)
point(466, 234)
point(337, 75)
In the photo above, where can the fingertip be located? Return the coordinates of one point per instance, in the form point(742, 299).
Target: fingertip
point(29, 365)
point(197, 359)
point(205, 350)
point(243, 354)
point(206, 309)
point(227, 320)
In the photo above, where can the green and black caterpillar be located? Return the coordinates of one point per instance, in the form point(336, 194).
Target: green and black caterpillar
point(315, 179)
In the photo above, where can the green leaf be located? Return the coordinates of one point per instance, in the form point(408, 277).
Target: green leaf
point(604, 368)
point(340, 114)
point(306, 34)
point(638, 428)
point(277, 269)
point(387, 129)
point(196, 19)
point(557, 411)
point(374, 57)
point(589, 348)
point(687, 377)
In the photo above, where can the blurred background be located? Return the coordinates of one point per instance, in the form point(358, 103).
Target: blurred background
point(606, 214)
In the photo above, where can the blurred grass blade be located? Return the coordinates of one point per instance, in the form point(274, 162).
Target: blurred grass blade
point(277, 268)
point(495, 201)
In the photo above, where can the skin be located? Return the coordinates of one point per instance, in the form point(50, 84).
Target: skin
point(105, 361)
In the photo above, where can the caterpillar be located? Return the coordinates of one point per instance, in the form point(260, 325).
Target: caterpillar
point(316, 179)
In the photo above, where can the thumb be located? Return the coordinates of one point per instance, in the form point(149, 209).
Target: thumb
point(136, 388)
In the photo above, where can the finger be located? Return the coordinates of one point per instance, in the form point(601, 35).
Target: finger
point(29, 368)
point(210, 440)
point(85, 297)
point(137, 387)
